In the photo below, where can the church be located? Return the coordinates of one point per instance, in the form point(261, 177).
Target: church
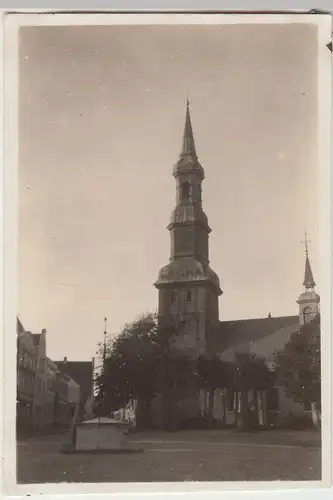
point(189, 289)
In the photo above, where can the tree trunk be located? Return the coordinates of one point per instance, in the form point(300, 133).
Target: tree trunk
point(146, 411)
point(167, 392)
point(243, 416)
point(224, 404)
point(170, 409)
point(255, 410)
point(166, 407)
point(210, 412)
point(143, 416)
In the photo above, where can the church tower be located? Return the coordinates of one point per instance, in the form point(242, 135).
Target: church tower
point(188, 287)
point(308, 300)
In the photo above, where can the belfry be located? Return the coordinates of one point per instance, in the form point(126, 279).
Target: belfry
point(188, 288)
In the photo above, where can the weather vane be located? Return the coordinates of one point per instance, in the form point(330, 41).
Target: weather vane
point(306, 243)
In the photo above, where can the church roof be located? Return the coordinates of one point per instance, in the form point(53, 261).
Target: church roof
point(187, 269)
point(188, 159)
point(308, 275)
point(188, 147)
point(231, 334)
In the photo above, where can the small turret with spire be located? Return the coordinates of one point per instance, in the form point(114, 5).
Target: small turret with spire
point(309, 300)
point(308, 282)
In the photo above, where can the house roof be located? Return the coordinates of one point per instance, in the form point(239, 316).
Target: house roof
point(81, 372)
point(233, 333)
point(19, 326)
point(51, 364)
point(188, 159)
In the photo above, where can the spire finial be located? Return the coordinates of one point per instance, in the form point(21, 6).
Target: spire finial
point(306, 244)
point(188, 147)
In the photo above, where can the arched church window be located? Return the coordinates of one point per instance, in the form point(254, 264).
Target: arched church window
point(186, 190)
point(189, 296)
point(307, 313)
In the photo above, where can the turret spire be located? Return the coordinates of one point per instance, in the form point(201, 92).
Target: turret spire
point(188, 148)
point(308, 275)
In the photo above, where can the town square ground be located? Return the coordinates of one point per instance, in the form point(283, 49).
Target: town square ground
point(220, 455)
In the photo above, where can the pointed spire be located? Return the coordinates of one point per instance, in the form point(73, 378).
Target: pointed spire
point(188, 148)
point(308, 275)
point(188, 159)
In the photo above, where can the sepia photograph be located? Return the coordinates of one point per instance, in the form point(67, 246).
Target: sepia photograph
point(169, 243)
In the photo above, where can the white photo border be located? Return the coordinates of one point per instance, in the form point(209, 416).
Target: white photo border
point(12, 23)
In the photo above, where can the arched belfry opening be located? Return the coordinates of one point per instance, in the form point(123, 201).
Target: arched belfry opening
point(185, 191)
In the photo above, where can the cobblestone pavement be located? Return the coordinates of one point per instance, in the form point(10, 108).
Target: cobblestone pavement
point(181, 456)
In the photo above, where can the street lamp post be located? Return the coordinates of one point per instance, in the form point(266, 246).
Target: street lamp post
point(103, 392)
point(104, 365)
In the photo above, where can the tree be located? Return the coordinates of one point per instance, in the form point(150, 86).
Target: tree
point(129, 364)
point(298, 365)
point(213, 373)
point(140, 363)
point(251, 372)
point(175, 370)
point(248, 374)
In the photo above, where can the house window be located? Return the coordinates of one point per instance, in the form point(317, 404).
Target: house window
point(189, 295)
point(173, 297)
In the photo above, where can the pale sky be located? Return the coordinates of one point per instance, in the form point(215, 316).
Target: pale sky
point(101, 120)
